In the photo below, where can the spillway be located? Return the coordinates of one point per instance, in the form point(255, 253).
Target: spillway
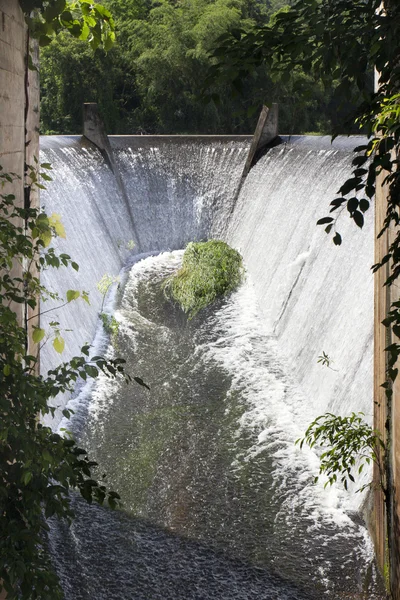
point(218, 502)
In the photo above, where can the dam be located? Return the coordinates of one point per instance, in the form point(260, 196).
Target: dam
point(218, 502)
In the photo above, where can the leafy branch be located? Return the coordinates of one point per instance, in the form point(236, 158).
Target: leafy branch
point(83, 19)
point(325, 361)
point(349, 443)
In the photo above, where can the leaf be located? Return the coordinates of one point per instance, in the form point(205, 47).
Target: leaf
point(109, 42)
point(358, 218)
point(338, 202)
point(349, 185)
point(55, 222)
point(26, 477)
point(91, 371)
point(352, 204)
point(38, 334)
point(46, 237)
point(337, 240)
point(59, 344)
point(325, 220)
point(141, 382)
point(54, 9)
point(44, 40)
point(75, 266)
point(6, 370)
point(72, 295)
point(85, 32)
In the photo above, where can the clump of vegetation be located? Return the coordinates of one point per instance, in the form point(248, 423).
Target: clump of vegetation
point(111, 325)
point(209, 270)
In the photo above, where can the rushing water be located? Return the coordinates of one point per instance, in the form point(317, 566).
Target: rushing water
point(206, 465)
point(218, 501)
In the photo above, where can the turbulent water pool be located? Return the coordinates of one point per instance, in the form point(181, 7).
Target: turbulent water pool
point(218, 502)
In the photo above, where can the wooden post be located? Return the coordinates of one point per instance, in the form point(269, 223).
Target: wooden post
point(381, 341)
point(386, 418)
point(394, 428)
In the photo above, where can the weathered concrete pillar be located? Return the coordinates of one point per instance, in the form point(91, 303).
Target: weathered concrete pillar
point(386, 414)
point(19, 115)
point(266, 132)
point(19, 109)
point(94, 131)
point(93, 126)
point(12, 102)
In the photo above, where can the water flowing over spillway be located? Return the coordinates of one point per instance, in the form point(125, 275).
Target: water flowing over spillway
point(218, 501)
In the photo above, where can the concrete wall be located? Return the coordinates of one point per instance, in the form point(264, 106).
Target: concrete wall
point(12, 97)
point(12, 89)
point(19, 107)
point(19, 103)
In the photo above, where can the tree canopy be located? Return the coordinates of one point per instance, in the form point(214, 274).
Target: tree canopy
point(151, 80)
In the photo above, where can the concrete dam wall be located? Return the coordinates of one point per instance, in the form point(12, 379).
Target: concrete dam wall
point(218, 501)
point(315, 297)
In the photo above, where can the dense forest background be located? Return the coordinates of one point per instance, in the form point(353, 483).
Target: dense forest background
point(150, 82)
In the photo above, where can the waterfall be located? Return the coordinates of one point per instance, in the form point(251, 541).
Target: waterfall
point(315, 297)
point(180, 191)
point(254, 358)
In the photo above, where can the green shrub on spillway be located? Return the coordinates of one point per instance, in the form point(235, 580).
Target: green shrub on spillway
point(209, 270)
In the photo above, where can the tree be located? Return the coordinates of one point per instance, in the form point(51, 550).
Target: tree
point(150, 79)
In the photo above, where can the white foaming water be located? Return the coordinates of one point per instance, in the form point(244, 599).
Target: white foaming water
point(100, 398)
point(274, 411)
point(303, 295)
point(314, 296)
point(178, 192)
point(317, 297)
point(277, 411)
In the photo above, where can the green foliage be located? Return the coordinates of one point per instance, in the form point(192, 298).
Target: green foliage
point(209, 270)
point(349, 443)
point(83, 19)
point(39, 468)
point(150, 81)
point(71, 74)
point(110, 324)
point(104, 285)
point(325, 361)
